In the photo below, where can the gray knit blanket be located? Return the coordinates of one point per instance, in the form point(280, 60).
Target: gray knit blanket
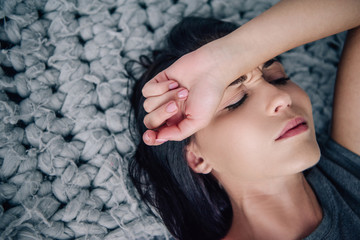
point(64, 140)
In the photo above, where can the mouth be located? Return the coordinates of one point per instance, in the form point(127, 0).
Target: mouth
point(293, 127)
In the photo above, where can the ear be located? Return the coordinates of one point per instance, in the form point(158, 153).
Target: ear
point(195, 161)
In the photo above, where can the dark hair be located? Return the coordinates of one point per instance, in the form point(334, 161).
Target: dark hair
point(191, 205)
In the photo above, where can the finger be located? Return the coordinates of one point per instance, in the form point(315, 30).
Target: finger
point(159, 116)
point(180, 131)
point(175, 119)
point(156, 88)
point(149, 138)
point(152, 103)
point(153, 88)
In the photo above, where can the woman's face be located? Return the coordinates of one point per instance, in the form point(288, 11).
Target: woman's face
point(242, 141)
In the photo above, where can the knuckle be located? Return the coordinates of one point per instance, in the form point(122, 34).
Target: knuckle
point(151, 122)
point(146, 106)
point(147, 122)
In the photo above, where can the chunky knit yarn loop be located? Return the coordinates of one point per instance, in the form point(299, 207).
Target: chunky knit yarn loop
point(64, 141)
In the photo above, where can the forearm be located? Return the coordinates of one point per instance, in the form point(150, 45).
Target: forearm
point(286, 25)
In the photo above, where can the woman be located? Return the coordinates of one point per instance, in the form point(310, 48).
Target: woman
point(248, 131)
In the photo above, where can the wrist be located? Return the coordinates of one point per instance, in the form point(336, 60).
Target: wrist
point(221, 64)
point(232, 55)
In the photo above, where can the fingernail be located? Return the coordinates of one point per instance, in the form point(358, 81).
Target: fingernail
point(147, 138)
point(171, 107)
point(183, 93)
point(160, 140)
point(173, 85)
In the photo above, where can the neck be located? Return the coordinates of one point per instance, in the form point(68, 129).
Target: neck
point(281, 208)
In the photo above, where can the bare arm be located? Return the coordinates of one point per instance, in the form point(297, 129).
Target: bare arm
point(288, 24)
point(346, 108)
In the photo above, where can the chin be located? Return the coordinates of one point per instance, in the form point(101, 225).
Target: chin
point(316, 156)
point(304, 157)
point(311, 156)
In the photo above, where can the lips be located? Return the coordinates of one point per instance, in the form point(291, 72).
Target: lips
point(293, 127)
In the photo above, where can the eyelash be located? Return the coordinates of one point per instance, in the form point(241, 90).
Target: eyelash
point(238, 103)
point(280, 81)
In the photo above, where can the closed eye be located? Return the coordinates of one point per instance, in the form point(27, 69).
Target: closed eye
point(238, 103)
point(279, 81)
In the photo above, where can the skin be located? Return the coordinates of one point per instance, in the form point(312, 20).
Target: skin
point(262, 176)
point(345, 119)
point(255, 125)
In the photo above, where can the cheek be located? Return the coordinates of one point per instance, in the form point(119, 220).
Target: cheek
point(232, 142)
point(302, 101)
point(241, 142)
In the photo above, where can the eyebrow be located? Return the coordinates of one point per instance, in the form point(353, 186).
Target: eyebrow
point(239, 80)
point(270, 62)
point(243, 77)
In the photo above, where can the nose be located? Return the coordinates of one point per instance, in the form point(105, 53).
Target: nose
point(279, 100)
